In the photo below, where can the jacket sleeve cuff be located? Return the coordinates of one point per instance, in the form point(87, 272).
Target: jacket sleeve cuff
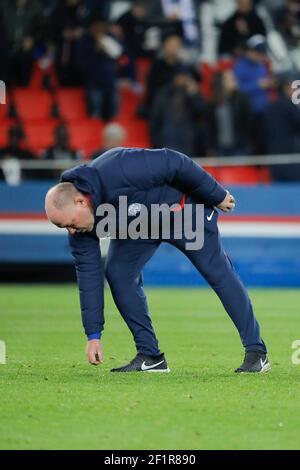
point(218, 195)
point(94, 336)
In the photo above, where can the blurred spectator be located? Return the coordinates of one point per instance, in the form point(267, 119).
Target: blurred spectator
point(163, 69)
point(253, 75)
point(228, 117)
point(134, 25)
point(21, 29)
point(114, 135)
point(175, 114)
point(184, 13)
point(255, 81)
point(83, 10)
point(98, 7)
point(48, 7)
point(166, 17)
point(282, 130)
point(97, 55)
point(274, 5)
point(243, 24)
point(287, 21)
point(69, 19)
point(61, 150)
point(11, 155)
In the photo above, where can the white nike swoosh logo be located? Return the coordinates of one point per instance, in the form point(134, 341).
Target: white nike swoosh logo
point(209, 217)
point(144, 367)
point(263, 363)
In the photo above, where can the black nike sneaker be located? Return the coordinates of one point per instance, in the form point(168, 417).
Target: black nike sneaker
point(254, 361)
point(142, 363)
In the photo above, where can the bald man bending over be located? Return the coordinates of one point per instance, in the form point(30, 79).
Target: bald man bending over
point(146, 177)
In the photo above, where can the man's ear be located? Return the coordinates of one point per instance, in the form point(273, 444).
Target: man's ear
point(81, 200)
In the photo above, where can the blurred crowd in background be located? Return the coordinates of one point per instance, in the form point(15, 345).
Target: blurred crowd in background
point(205, 77)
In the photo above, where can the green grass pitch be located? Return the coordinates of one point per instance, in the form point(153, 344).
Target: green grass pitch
point(50, 398)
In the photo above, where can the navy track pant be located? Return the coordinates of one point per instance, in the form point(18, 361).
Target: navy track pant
point(124, 264)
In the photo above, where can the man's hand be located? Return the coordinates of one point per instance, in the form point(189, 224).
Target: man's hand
point(28, 44)
point(267, 83)
point(228, 204)
point(94, 352)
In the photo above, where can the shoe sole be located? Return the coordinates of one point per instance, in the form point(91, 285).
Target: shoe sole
point(162, 371)
point(266, 368)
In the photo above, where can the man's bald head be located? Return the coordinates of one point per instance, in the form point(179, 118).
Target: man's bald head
point(62, 195)
point(67, 208)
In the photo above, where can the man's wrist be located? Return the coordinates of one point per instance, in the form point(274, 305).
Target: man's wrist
point(94, 336)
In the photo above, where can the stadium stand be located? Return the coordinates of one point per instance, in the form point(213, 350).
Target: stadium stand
point(32, 104)
point(71, 104)
point(86, 135)
point(45, 102)
point(243, 175)
point(39, 135)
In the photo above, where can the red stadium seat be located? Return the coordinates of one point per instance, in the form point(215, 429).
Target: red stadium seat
point(72, 104)
point(265, 176)
point(207, 72)
point(137, 133)
point(33, 105)
point(143, 66)
point(39, 74)
point(224, 64)
point(128, 104)
point(212, 170)
point(239, 175)
point(86, 136)
point(39, 135)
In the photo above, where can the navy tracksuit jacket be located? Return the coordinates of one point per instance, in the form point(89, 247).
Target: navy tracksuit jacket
point(151, 177)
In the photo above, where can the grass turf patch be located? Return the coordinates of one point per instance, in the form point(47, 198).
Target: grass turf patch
point(52, 399)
